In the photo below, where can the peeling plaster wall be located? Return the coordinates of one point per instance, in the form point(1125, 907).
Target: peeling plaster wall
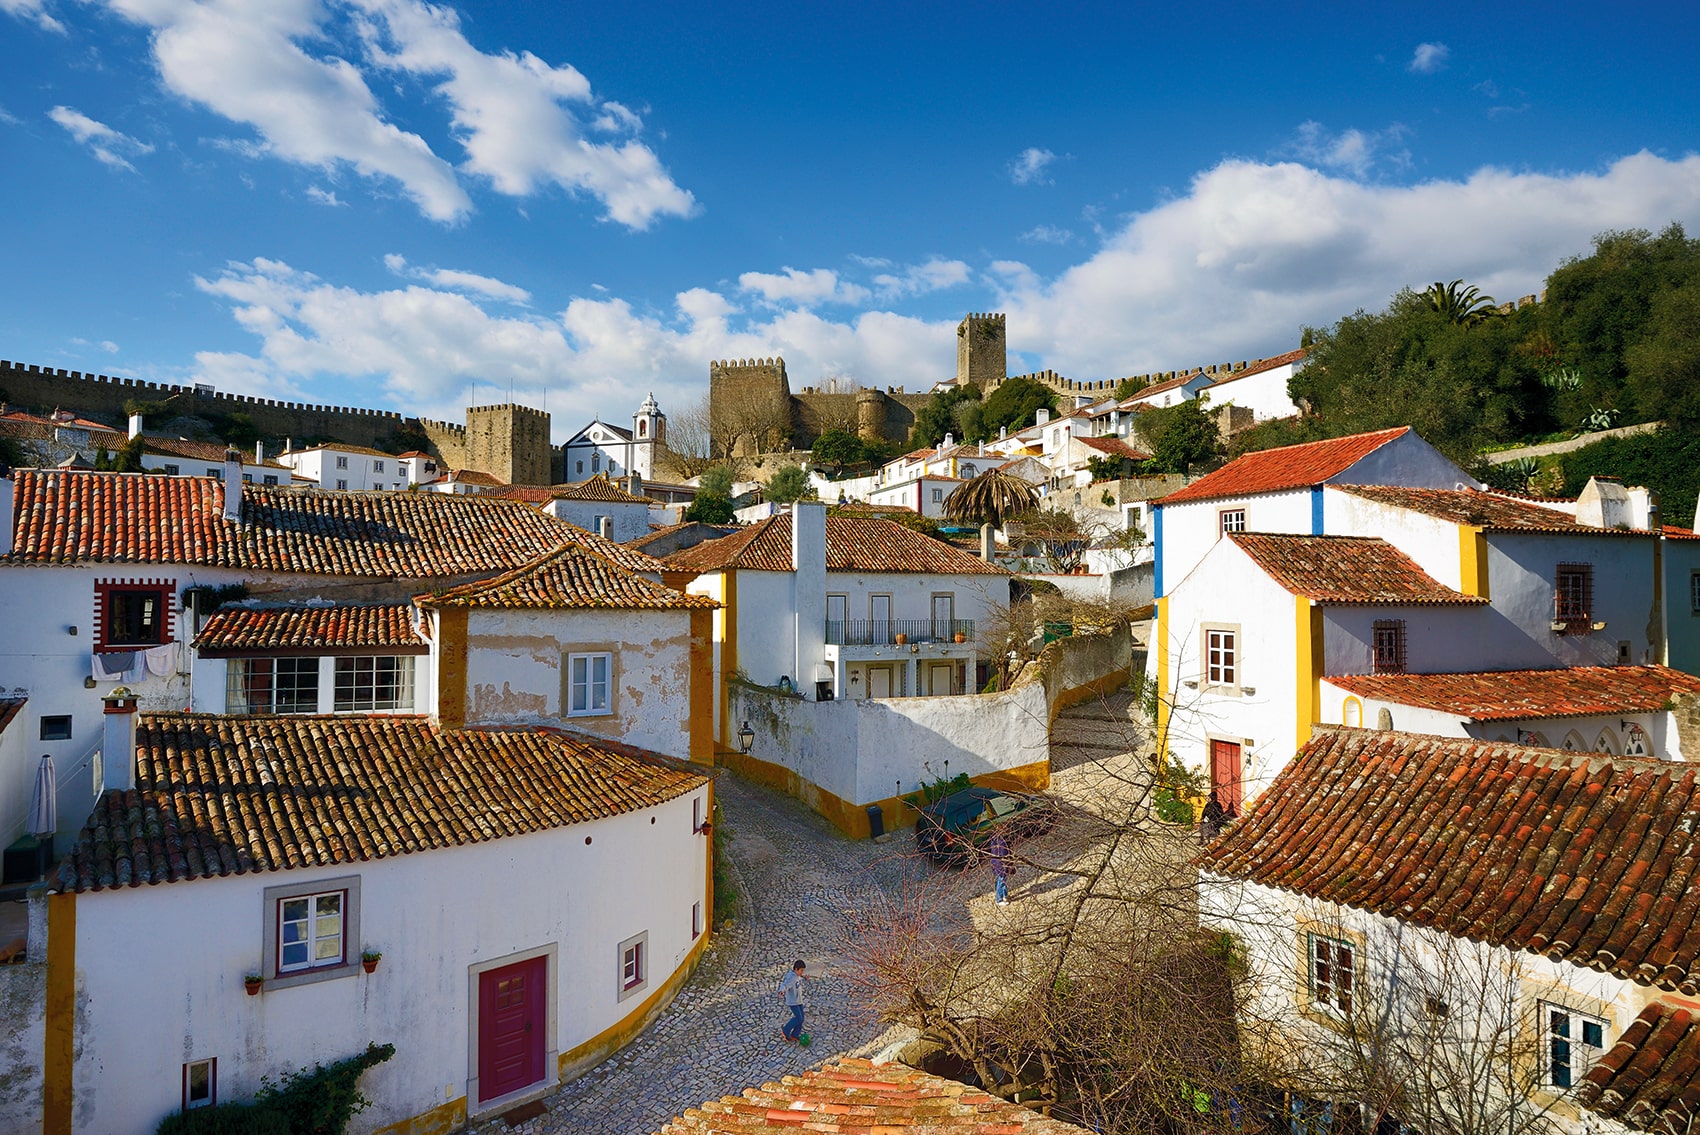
point(433, 914)
point(515, 672)
point(23, 1002)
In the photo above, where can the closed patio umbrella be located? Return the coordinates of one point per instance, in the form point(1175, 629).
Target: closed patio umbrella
point(44, 804)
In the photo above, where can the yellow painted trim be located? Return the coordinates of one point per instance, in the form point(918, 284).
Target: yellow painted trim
point(1098, 687)
point(1307, 668)
point(616, 1036)
point(451, 667)
point(701, 700)
point(728, 653)
point(440, 1120)
point(708, 882)
point(1472, 561)
point(852, 819)
point(1161, 638)
point(59, 1047)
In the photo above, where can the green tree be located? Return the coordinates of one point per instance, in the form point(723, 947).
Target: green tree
point(938, 416)
point(1128, 387)
point(709, 509)
point(127, 458)
point(839, 448)
point(1458, 304)
point(239, 430)
point(788, 483)
point(1180, 437)
point(1013, 404)
point(716, 481)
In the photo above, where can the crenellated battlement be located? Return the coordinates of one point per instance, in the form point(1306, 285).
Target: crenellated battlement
point(30, 384)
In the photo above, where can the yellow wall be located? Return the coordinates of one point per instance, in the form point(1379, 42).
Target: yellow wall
point(702, 687)
point(1160, 642)
point(1472, 561)
point(451, 667)
point(1307, 667)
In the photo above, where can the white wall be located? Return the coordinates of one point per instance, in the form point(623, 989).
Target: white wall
point(192, 467)
point(432, 914)
point(514, 672)
point(1522, 581)
point(1432, 542)
point(1192, 528)
point(361, 473)
point(630, 521)
point(1264, 394)
point(1438, 640)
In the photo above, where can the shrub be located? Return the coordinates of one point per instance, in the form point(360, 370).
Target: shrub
point(316, 1101)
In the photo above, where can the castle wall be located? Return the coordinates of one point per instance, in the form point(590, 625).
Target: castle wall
point(510, 443)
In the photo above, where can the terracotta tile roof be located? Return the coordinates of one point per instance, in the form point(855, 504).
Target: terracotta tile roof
point(1171, 384)
point(569, 577)
point(530, 494)
point(1650, 1080)
point(209, 451)
point(856, 1097)
point(658, 534)
point(1262, 365)
point(473, 477)
point(1290, 467)
point(1505, 695)
point(598, 488)
point(626, 556)
point(1114, 446)
point(233, 630)
point(9, 708)
point(218, 795)
point(1583, 858)
point(339, 447)
point(1346, 569)
point(853, 543)
point(1491, 511)
point(1672, 532)
point(64, 517)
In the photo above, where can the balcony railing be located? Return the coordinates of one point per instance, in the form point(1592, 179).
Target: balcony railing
point(884, 632)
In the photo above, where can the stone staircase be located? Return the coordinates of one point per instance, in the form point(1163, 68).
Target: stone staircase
point(1097, 729)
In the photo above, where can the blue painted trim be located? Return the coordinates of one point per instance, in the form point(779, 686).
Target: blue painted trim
point(1156, 551)
point(1316, 510)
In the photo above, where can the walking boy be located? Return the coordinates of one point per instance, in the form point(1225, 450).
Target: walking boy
point(791, 992)
point(999, 852)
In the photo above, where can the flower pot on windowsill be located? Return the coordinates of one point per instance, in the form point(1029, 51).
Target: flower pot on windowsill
point(369, 960)
point(252, 983)
point(900, 639)
point(959, 637)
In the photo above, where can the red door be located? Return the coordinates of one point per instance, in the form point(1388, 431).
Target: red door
point(1225, 775)
point(512, 1019)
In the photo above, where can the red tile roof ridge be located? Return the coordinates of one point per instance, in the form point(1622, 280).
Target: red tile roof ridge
point(1262, 365)
point(570, 577)
point(853, 543)
point(1506, 695)
point(1285, 467)
point(1489, 510)
point(1529, 849)
point(295, 626)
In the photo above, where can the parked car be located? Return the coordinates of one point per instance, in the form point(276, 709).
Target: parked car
point(954, 831)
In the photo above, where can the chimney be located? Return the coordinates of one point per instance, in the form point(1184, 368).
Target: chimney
point(7, 485)
point(232, 485)
point(808, 561)
point(947, 442)
point(288, 444)
point(118, 741)
point(1603, 503)
point(1644, 509)
point(135, 425)
point(986, 542)
point(634, 484)
point(981, 451)
point(1041, 416)
point(606, 527)
point(259, 453)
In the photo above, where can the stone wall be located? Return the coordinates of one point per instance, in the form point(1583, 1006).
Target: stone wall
point(510, 443)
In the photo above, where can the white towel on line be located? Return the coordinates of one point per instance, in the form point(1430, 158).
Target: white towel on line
point(160, 659)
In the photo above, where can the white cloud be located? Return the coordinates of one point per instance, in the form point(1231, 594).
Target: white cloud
point(34, 10)
point(934, 275)
point(1355, 151)
point(110, 146)
point(458, 281)
point(106, 345)
point(1232, 269)
point(1028, 167)
point(1429, 58)
point(802, 289)
point(1047, 234)
point(325, 197)
point(517, 116)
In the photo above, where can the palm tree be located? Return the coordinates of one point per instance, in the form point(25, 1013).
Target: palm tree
point(991, 498)
point(1461, 305)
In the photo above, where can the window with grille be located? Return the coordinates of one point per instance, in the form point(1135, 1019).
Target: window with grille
point(1333, 967)
point(1389, 646)
point(1221, 658)
point(1694, 592)
point(1573, 1042)
point(378, 683)
point(1573, 602)
point(1233, 520)
point(271, 685)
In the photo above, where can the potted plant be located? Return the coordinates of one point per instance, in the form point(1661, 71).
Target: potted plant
point(252, 983)
point(900, 638)
point(959, 637)
point(369, 960)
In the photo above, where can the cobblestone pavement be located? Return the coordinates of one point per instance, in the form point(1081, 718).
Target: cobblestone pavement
point(721, 1033)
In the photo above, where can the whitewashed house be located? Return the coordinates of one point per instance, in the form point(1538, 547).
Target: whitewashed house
point(536, 898)
point(350, 468)
point(1517, 915)
point(1260, 387)
point(614, 451)
point(586, 503)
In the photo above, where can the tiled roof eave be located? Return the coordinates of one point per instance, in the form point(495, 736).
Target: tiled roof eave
point(1402, 601)
point(1567, 530)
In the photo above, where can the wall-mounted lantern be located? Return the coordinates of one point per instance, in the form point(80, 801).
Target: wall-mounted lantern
point(746, 738)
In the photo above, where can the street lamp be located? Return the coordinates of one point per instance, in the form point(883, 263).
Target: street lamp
point(746, 738)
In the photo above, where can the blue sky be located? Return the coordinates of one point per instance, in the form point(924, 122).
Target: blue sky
point(394, 204)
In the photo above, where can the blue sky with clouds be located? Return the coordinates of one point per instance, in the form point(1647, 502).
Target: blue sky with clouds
point(402, 205)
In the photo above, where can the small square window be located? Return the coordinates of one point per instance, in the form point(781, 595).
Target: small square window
point(134, 616)
point(589, 685)
point(938, 495)
point(171, 470)
point(56, 727)
point(310, 931)
point(342, 463)
point(247, 478)
point(1389, 646)
point(200, 1084)
point(1333, 964)
point(1221, 658)
point(216, 474)
point(271, 479)
point(1233, 520)
point(1573, 1042)
point(377, 466)
point(634, 965)
point(341, 484)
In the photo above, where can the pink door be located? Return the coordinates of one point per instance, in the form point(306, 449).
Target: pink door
point(1225, 775)
point(512, 1019)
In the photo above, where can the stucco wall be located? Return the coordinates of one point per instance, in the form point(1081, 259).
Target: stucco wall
point(1190, 529)
point(515, 677)
point(1265, 394)
point(1433, 543)
point(1522, 581)
point(630, 521)
point(432, 914)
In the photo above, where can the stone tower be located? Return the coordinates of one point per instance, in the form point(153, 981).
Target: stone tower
point(870, 415)
point(510, 443)
point(649, 432)
point(980, 349)
point(749, 398)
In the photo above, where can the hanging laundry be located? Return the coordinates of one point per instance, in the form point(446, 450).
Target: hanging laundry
point(117, 666)
point(160, 659)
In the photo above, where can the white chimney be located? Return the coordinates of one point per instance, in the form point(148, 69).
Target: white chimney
point(986, 541)
point(1041, 416)
point(259, 453)
point(808, 561)
point(948, 441)
point(118, 740)
point(7, 486)
point(606, 527)
point(135, 425)
point(1603, 503)
point(634, 484)
point(1644, 509)
point(232, 485)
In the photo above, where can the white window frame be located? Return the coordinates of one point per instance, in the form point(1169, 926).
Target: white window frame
point(1230, 520)
point(237, 684)
point(632, 973)
point(1580, 1055)
point(342, 463)
point(1326, 992)
point(1224, 676)
point(377, 466)
point(404, 687)
point(588, 684)
point(342, 485)
point(172, 471)
point(270, 953)
point(189, 1066)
